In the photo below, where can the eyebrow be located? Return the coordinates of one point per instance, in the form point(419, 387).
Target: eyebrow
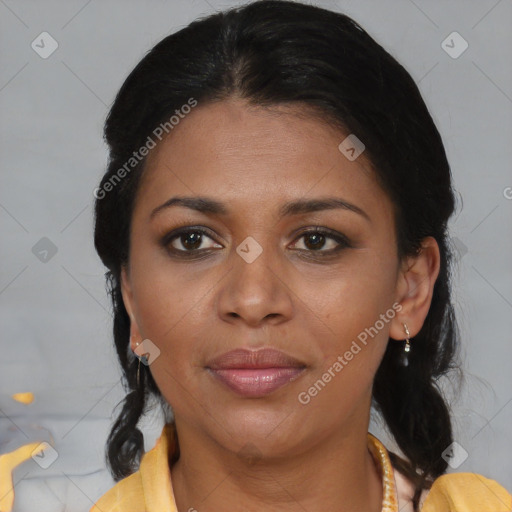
point(213, 207)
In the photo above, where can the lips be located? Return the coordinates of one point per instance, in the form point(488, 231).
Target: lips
point(255, 373)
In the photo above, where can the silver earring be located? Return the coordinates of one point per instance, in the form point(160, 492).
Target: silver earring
point(407, 347)
point(138, 366)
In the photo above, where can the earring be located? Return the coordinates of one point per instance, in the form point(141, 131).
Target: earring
point(407, 347)
point(138, 366)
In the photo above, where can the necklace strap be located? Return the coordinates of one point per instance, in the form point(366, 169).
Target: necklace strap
point(381, 457)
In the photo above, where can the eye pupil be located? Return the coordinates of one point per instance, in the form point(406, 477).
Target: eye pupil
point(191, 240)
point(317, 241)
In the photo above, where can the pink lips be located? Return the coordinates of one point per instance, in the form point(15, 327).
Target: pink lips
point(255, 373)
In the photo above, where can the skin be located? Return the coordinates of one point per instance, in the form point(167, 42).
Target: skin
point(253, 160)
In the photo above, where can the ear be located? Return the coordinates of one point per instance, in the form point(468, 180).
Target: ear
point(129, 304)
point(415, 286)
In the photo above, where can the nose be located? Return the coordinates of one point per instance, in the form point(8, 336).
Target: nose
point(256, 292)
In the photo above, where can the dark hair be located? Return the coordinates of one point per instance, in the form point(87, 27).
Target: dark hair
point(281, 52)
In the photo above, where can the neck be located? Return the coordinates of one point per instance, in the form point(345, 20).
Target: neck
point(336, 474)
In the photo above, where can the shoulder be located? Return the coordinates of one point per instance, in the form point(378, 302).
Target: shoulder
point(466, 492)
point(126, 496)
point(151, 484)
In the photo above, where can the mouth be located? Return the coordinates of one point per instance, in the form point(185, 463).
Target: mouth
point(255, 373)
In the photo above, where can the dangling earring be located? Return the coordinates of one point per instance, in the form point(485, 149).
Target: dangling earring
point(407, 347)
point(138, 365)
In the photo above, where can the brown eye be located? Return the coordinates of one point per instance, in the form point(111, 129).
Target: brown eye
point(314, 241)
point(321, 241)
point(189, 240)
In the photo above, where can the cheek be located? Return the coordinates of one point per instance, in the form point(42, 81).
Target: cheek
point(174, 311)
point(168, 296)
point(351, 353)
point(352, 298)
point(356, 303)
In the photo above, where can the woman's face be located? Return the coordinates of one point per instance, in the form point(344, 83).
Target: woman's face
point(246, 272)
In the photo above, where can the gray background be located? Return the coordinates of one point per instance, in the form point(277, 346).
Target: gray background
point(55, 320)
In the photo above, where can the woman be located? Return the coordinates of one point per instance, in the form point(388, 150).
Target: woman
point(273, 220)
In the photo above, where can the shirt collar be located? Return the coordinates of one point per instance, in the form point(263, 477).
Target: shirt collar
point(156, 474)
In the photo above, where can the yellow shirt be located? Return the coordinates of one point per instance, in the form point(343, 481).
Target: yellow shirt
point(150, 488)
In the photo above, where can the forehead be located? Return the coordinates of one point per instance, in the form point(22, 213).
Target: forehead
point(251, 154)
point(233, 129)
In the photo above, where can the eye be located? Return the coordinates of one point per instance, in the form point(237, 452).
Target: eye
point(321, 240)
point(189, 240)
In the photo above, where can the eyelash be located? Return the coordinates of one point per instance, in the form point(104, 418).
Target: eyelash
point(341, 240)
